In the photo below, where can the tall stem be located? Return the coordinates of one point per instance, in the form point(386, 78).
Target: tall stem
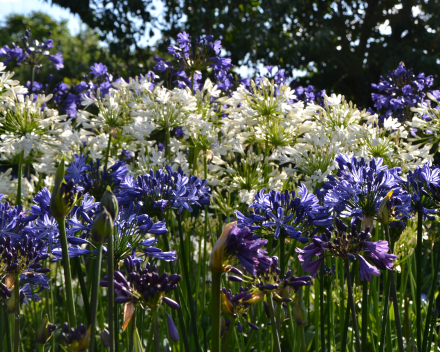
point(364, 314)
point(17, 313)
point(156, 331)
point(32, 79)
point(353, 309)
point(184, 262)
point(132, 330)
point(386, 300)
point(95, 296)
point(111, 288)
point(394, 296)
point(321, 307)
point(83, 287)
point(215, 311)
point(431, 296)
point(276, 337)
point(205, 240)
point(419, 279)
point(109, 144)
point(19, 178)
point(67, 271)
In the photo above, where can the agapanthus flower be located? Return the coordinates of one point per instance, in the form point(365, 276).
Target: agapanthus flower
point(360, 187)
point(270, 280)
point(159, 191)
point(239, 244)
point(419, 185)
point(400, 91)
point(94, 177)
point(76, 339)
point(238, 305)
point(348, 244)
point(146, 288)
point(283, 211)
point(192, 57)
point(32, 54)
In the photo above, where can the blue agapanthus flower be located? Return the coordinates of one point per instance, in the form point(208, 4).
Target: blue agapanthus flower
point(345, 243)
point(420, 185)
point(44, 226)
point(156, 192)
point(360, 187)
point(277, 212)
point(90, 174)
point(400, 91)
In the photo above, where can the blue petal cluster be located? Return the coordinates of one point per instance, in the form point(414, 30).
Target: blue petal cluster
point(276, 212)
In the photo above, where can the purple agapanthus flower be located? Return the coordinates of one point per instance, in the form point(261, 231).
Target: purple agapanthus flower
point(242, 244)
point(98, 69)
point(284, 212)
point(360, 187)
point(420, 184)
point(348, 245)
point(156, 192)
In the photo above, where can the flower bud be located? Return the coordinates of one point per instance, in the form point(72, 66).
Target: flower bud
point(45, 331)
point(105, 338)
point(384, 215)
point(226, 305)
point(109, 201)
point(60, 204)
point(172, 330)
point(102, 226)
point(216, 259)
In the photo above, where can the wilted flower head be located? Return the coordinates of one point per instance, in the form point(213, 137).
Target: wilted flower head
point(279, 212)
point(347, 245)
point(238, 305)
point(76, 339)
point(45, 331)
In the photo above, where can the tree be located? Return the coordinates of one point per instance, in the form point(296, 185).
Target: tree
point(79, 51)
point(339, 44)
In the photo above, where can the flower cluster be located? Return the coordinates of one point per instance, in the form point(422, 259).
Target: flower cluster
point(279, 213)
point(347, 244)
point(76, 339)
point(400, 91)
point(164, 189)
point(32, 54)
point(360, 187)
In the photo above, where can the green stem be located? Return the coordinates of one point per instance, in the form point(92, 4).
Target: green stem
point(431, 296)
point(386, 300)
point(17, 313)
point(67, 271)
point(19, 178)
point(111, 288)
point(95, 296)
point(156, 331)
point(277, 347)
point(184, 262)
point(205, 252)
point(282, 254)
point(419, 279)
point(2, 323)
point(364, 314)
point(393, 292)
point(184, 334)
point(216, 312)
point(40, 347)
point(83, 287)
point(8, 330)
point(116, 320)
point(321, 307)
point(132, 330)
point(316, 315)
point(352, 306)
point(107, 154)
point(32, 79)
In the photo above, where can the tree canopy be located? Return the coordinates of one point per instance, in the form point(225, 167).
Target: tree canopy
point(343, 46)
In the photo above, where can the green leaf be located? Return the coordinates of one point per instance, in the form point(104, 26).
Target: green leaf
point(137, 342)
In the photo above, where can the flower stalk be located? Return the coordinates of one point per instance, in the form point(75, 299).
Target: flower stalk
point(17, 312)
point(419, 279)
point(95, 284)
point(19, 178)
point(352, 306)
point(275, 335)
point(216, 311)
